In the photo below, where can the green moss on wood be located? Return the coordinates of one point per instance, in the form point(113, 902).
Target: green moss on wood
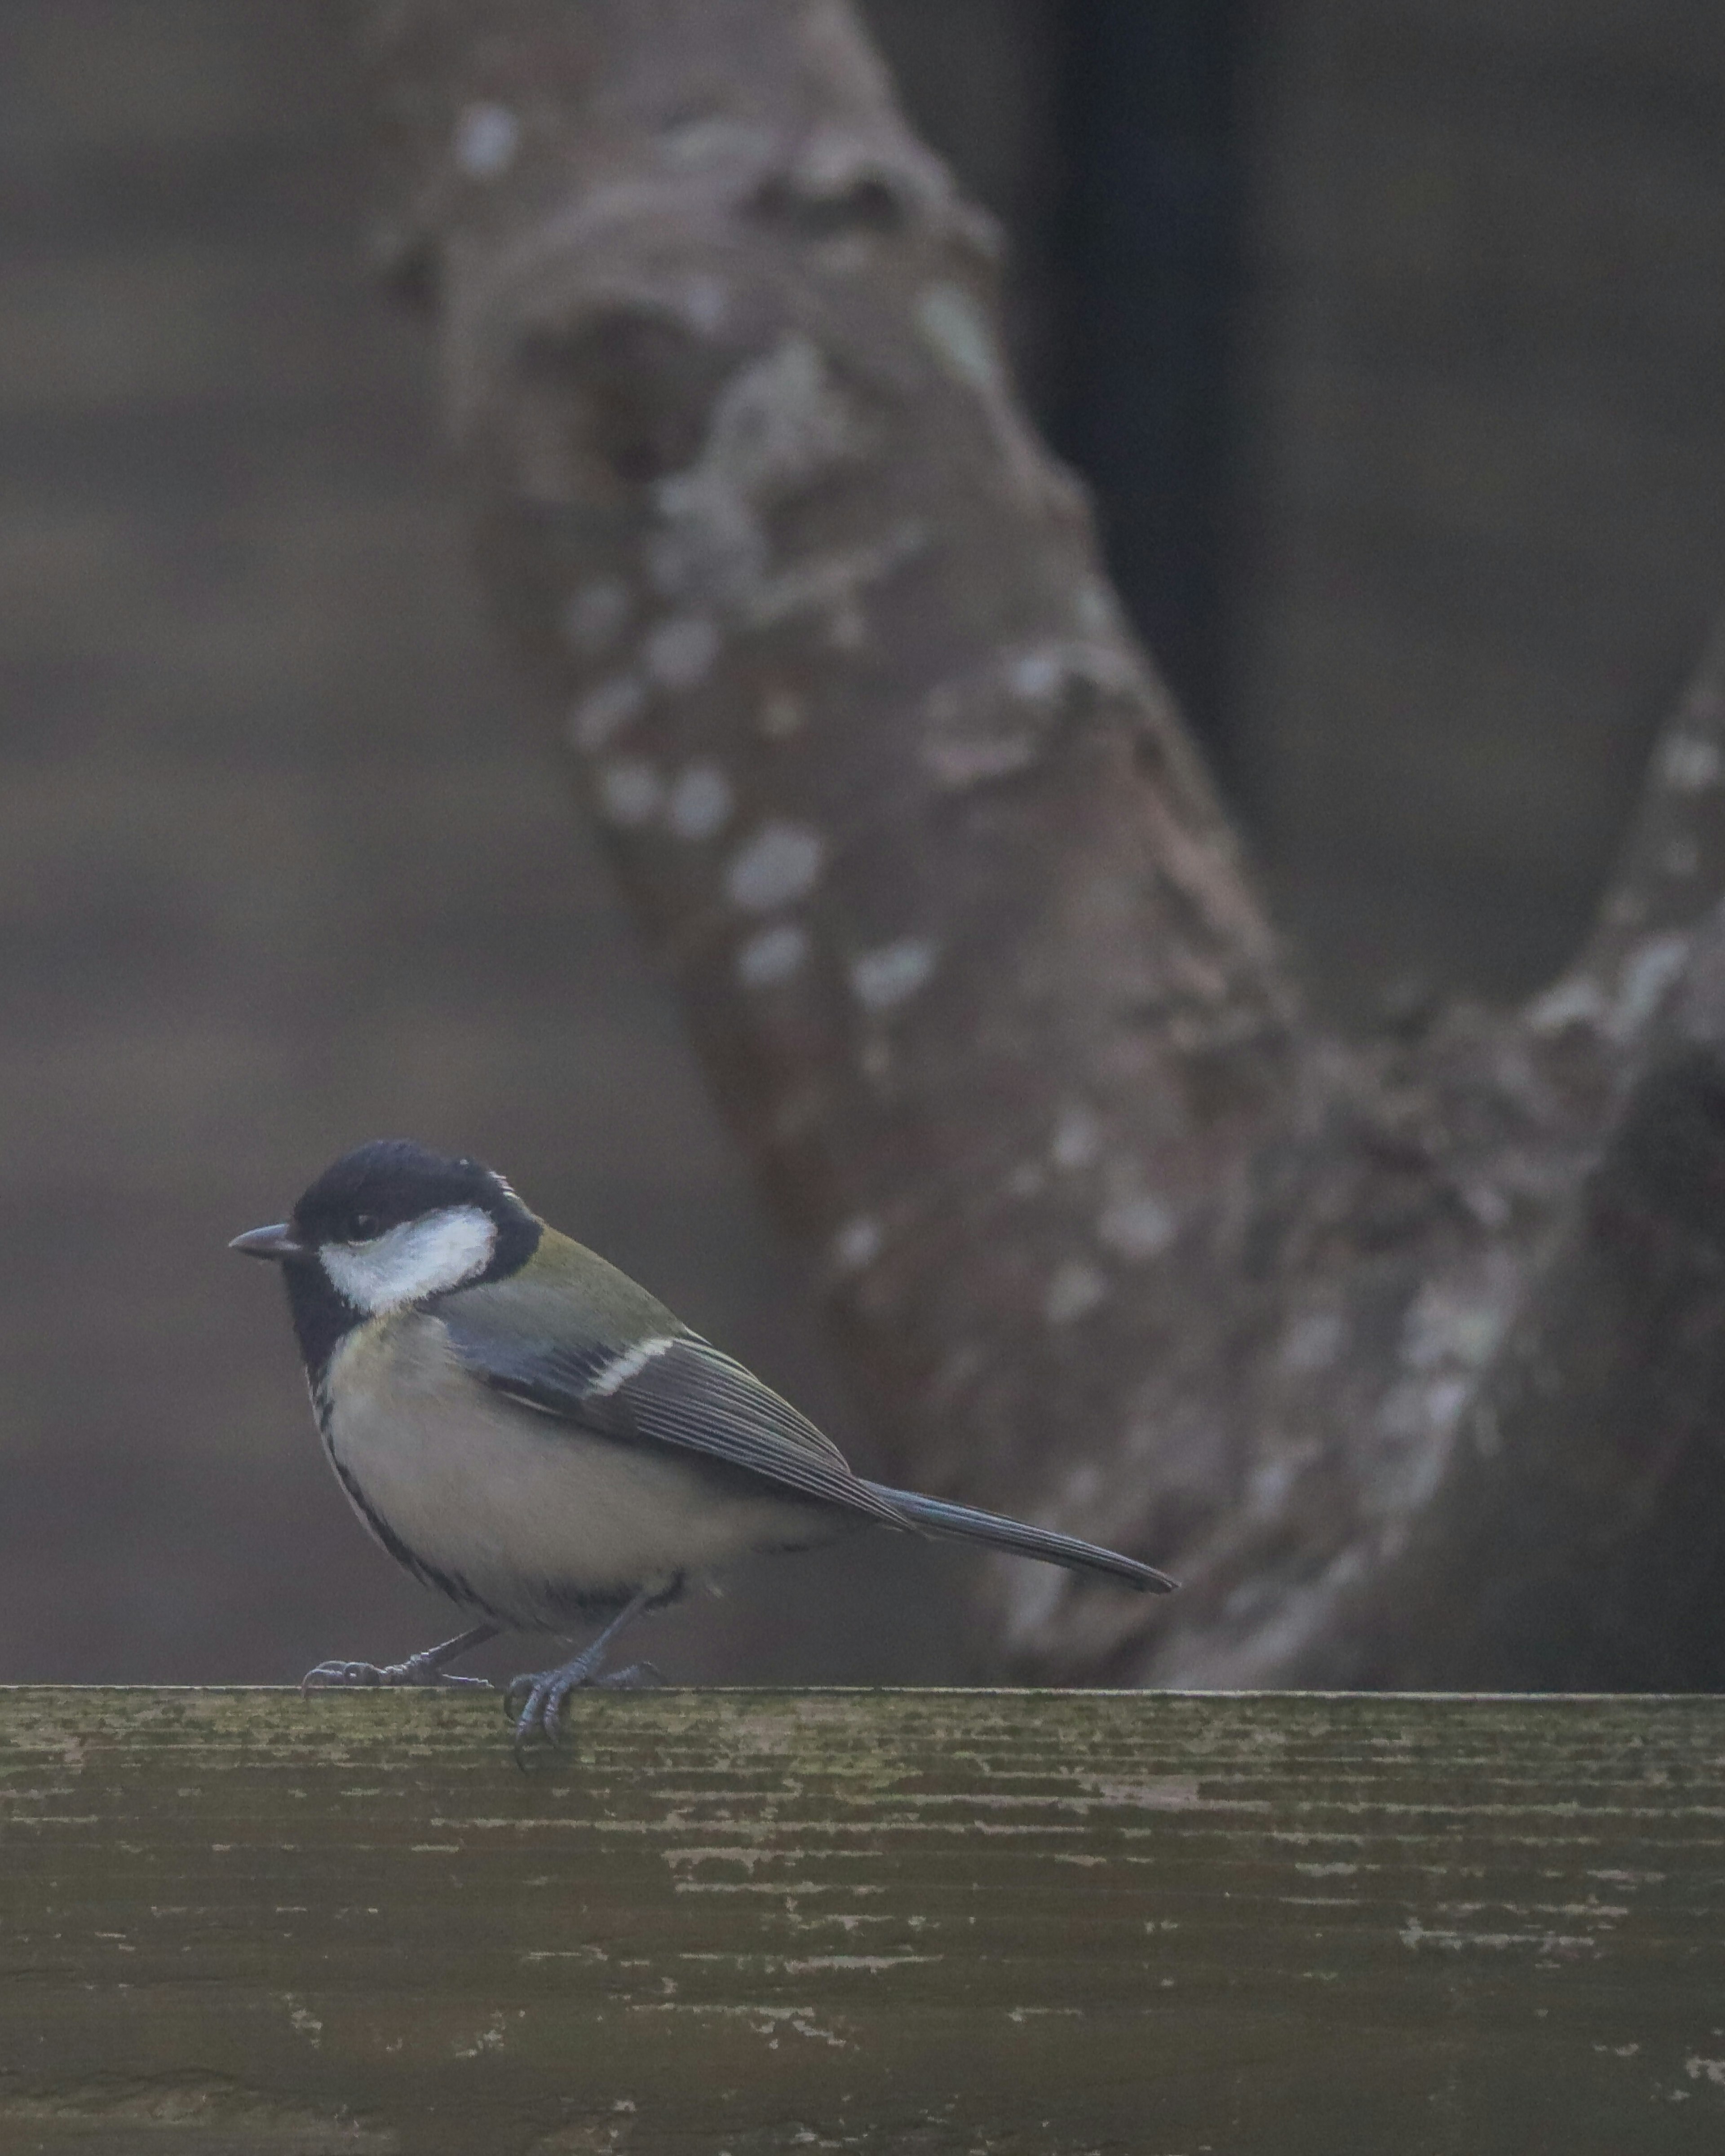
point(241, 1921)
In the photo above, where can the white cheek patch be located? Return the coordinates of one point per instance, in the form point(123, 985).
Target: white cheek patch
point(418, 1258)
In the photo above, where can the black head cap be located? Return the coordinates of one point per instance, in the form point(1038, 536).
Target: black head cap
point(379, 1186)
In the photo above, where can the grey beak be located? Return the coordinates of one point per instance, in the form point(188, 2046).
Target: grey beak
point(276, 1242)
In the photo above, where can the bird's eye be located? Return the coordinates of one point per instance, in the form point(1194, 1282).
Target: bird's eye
point(365, 1226)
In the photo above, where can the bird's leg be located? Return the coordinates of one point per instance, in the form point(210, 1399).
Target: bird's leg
point(426, 1667)
point(541, 1695)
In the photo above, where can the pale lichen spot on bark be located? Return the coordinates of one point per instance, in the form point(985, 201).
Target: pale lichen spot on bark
point(1077, 1138)
point(779, 865)
point(1645, 979)
point(701, 801)
point(680, 653)
point(1411, 1414)
point(1460, 1322)
point(833, 583)
point(1074, 1292)
point(1578, 1001)
point(1098, 615)
point(1138, 1227)
point(1444, 1402)
point(1269, 1485)
point(1043, 673)
point(486, 139)
point(959, 763)
point(603, 713)
point(772, 955)
point(1036, 674)
point(1299, 1618)
point(858, 1243)
point(893, 972)
point(715, 140)
point(704, 301)
point(1001, 720)
point(1689, 764)
point(778, 423)
point(958, 333)
point(631, 793)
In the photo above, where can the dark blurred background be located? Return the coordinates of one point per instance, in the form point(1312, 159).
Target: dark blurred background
point(1389, 333)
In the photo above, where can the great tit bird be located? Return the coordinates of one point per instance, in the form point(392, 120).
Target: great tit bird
point(522, 1426)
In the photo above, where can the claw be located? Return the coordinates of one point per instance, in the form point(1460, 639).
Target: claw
point(539, 1719)
point(328, 1673)
point(425, 1668)
point(328, 1676)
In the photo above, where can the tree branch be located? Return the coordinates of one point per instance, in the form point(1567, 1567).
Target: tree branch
point(1111, 1232)
point(1577, 1540)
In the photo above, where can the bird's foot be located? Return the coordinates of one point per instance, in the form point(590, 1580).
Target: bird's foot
point(331, 1676)
point(538, 1718)
point(415, 1670)
point(535, 1703)
point(428, 1668)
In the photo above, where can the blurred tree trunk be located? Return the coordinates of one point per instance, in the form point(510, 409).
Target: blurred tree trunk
point(1409, 1357)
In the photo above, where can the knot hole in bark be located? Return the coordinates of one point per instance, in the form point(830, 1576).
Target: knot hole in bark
point(603, 407)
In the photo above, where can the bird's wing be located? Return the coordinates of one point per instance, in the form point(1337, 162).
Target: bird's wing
point(671, 1387)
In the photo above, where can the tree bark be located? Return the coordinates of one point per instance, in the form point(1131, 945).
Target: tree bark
point(1111, 1232)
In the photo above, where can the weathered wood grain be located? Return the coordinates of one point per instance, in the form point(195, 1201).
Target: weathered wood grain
point(745, 1921)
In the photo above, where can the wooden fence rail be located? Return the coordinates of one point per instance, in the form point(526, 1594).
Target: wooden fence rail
point(1017, 1922)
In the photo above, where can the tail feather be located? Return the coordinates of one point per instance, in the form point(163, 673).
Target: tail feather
point(961, 1524)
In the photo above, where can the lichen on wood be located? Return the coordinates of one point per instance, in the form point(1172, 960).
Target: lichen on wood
point(992, 1921)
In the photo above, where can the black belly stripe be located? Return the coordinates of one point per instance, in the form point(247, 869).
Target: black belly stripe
point(451, 1583)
